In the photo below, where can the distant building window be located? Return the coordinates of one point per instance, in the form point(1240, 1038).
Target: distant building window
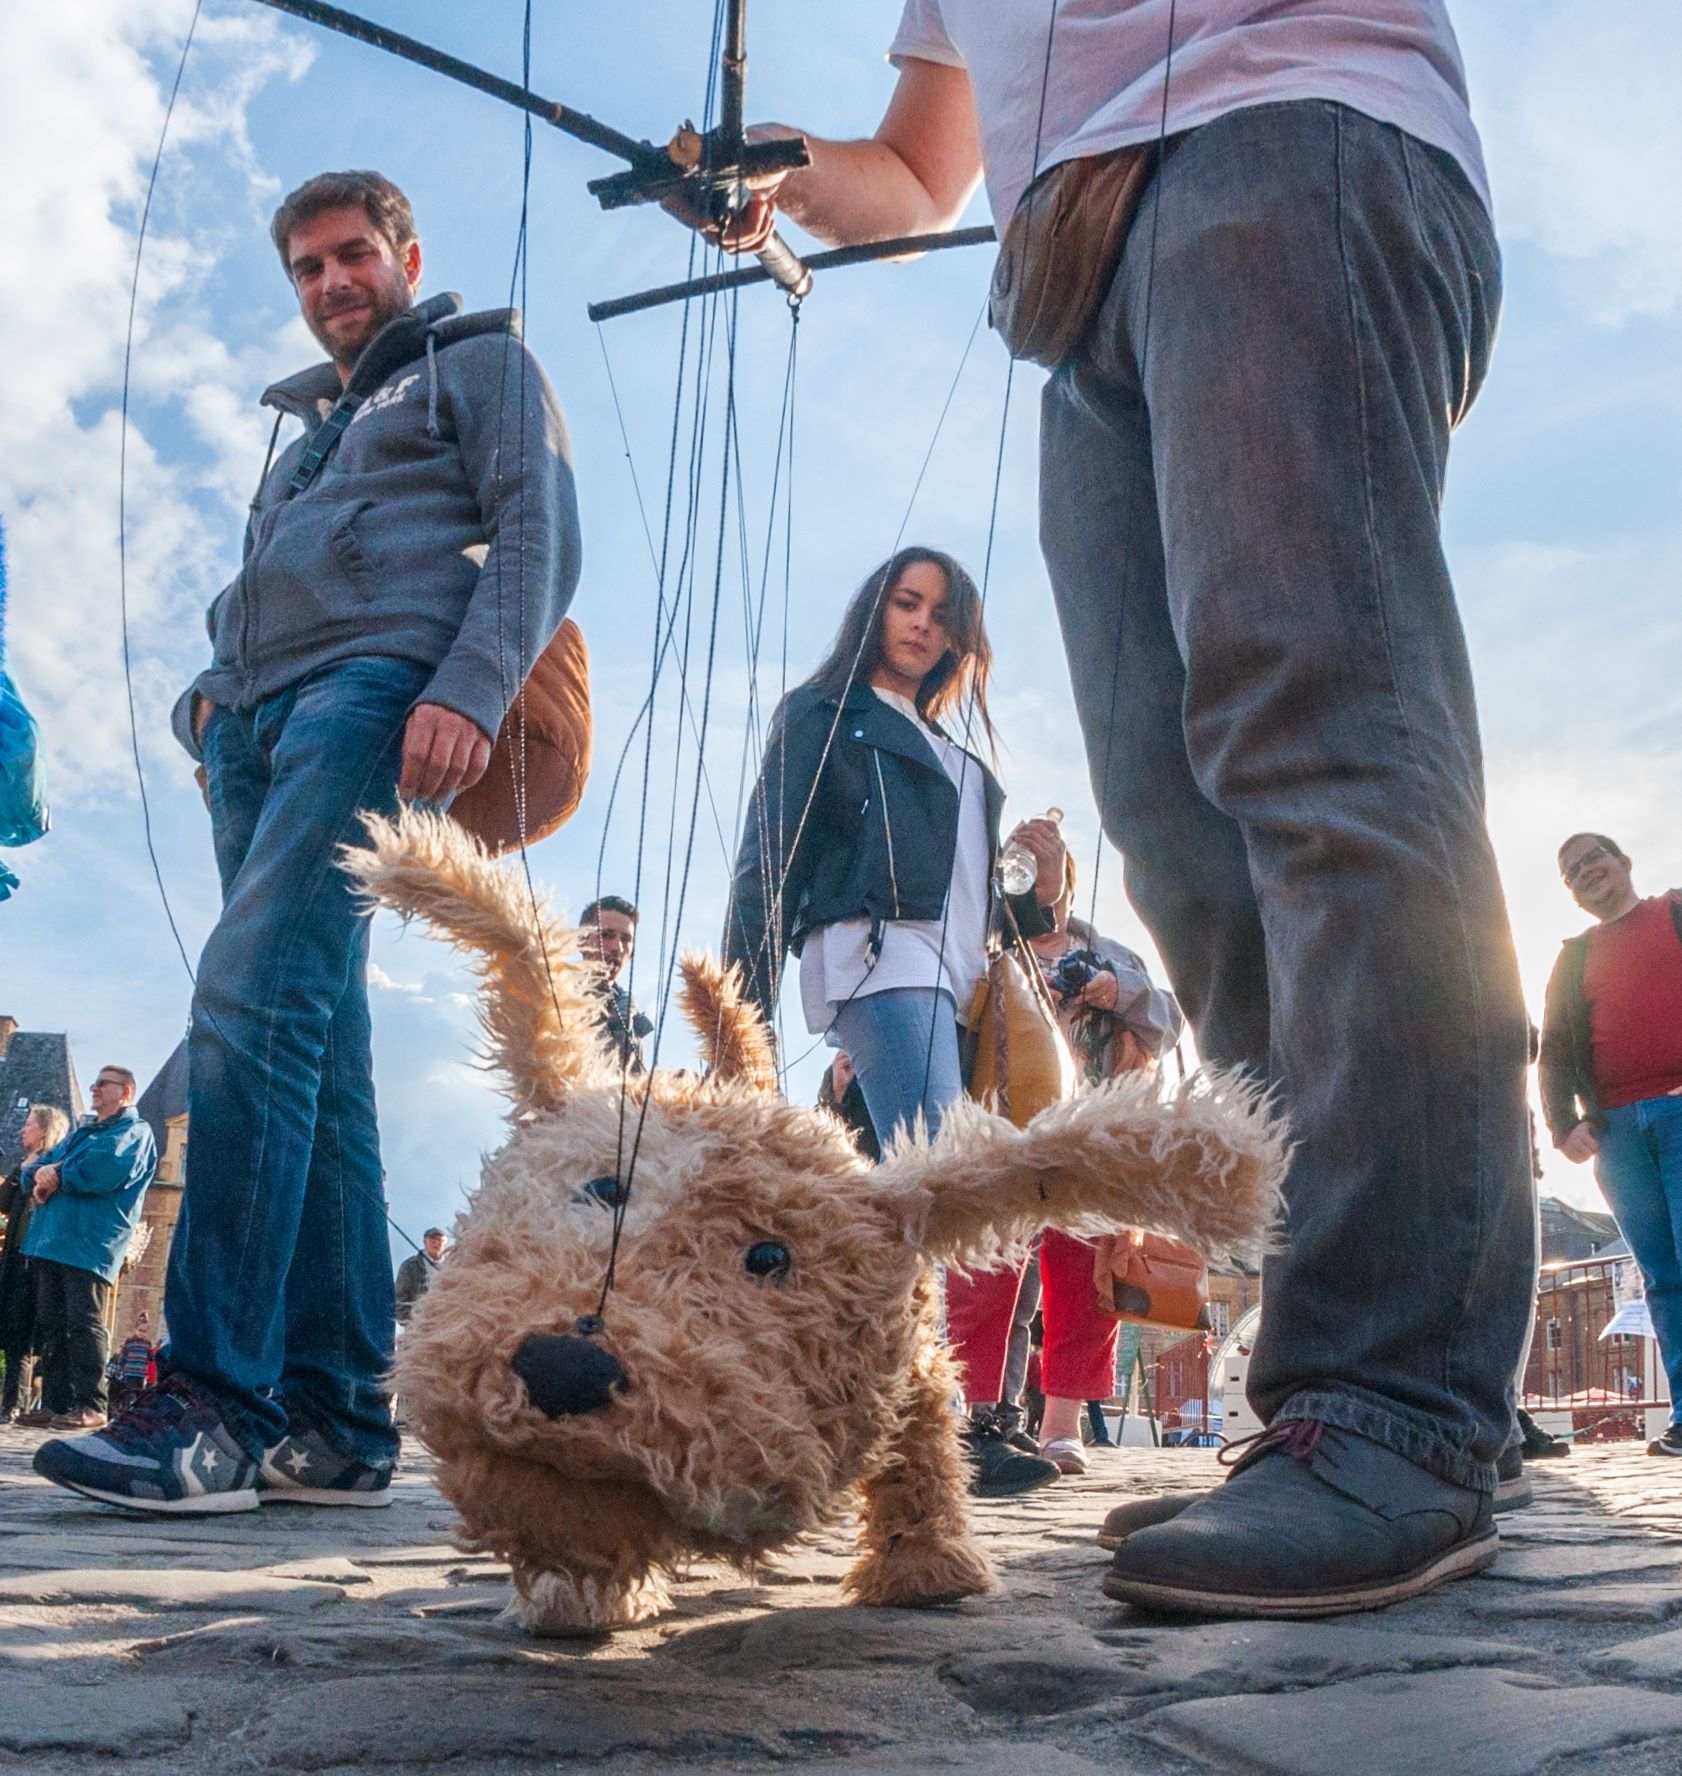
point(1218, 1318)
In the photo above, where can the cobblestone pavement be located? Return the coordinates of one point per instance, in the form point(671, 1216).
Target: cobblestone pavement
point(294, 1639)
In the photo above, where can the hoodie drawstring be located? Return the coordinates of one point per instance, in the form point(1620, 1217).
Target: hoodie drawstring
point(431, 385)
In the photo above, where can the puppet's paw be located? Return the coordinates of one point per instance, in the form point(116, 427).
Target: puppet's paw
point(915, 1571)
point(557, 1605)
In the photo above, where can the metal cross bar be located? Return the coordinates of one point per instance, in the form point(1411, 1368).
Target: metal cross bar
point(758, 274)
point(578, 124)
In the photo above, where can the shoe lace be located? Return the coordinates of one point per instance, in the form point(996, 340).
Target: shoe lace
point(1295, 1437)
point(152, 1410)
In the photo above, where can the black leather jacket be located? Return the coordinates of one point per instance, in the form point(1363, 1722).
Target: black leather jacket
point(853, 817)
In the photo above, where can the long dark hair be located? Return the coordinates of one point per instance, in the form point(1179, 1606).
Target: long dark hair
point(966, 664)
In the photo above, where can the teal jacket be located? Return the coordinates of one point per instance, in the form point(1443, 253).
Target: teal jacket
point(104, 1168)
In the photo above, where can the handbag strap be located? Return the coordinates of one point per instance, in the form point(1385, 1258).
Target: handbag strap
point(1030, 962)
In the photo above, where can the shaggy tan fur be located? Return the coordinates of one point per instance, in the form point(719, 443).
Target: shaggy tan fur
point(755, 1408)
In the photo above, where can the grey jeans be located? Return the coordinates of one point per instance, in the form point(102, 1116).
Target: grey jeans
point(1241, 525)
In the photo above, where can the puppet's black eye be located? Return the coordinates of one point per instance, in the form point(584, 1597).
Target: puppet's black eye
point(767, 1259)
point(609, 1192)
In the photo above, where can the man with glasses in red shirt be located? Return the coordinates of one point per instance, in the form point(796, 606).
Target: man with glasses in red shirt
point(1611, 1069)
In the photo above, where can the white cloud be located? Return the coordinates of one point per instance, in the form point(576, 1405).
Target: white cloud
point(1584, 135)
point(82, 93)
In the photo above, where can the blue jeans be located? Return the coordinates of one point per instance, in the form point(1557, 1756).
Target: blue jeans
point(280, 1286)
point(1639, 1167)
point(900, 1070)
point(1241, 526)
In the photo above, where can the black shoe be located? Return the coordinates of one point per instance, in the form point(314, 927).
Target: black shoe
point(1000, 1469)
point(1669, 1444)
point(1314, 1522)
point(1513, 1490)
point(1537, 1444)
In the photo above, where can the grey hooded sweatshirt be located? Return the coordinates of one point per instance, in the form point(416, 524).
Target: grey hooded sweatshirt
point(443, 528)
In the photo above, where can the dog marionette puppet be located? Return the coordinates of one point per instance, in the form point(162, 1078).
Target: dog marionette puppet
point(767, 1355)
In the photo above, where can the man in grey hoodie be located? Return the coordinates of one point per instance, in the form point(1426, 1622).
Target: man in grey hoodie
point(407, 558)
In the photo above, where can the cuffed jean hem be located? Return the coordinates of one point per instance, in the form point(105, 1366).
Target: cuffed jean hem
point(1385, 1426)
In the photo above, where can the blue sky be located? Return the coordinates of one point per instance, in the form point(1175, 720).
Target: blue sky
point(1564, 513)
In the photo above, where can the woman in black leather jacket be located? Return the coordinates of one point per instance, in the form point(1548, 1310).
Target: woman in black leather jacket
point(871, 836)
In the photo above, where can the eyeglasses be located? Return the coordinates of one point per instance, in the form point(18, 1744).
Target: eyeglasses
point(1571, 872)
point(107, 1084)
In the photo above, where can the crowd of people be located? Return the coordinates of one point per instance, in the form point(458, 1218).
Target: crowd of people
point(71, 1203)
point(1273, 689)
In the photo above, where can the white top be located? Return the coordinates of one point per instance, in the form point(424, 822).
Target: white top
point(949, 952)
point(1394, 60)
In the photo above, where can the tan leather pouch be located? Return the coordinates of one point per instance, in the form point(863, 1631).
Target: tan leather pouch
point(1018, 1060)
point(550, 777)
point(1060, 251)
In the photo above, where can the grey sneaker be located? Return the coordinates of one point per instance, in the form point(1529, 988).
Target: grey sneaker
point(169, 1452)
point(1314, 1522)
point(303, 1468)
point(1669, 1444)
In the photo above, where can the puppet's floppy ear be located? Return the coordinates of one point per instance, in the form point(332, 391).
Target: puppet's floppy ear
point(732, 1033)
point(1203, 1165)
point(537, 1001)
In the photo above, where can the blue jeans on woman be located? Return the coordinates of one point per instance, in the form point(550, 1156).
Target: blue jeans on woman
point(904, 1048)
point(280, 1290)
point(1241, 473)
point(1639, 1167)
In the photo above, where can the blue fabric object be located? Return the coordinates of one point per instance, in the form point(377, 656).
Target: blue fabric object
point(280, 1292)
point(1243, 523)
point(1639, 1169)
point(103, 1171)
point(23, 781)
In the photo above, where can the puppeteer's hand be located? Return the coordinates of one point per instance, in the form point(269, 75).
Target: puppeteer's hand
point(752, 225)
point(443, 754)
point(1582, 1143)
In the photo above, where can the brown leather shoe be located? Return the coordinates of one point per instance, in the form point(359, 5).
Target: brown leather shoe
point(38, 1420)
point(84, 1418)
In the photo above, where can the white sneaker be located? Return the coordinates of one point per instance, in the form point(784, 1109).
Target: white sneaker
point(1068, 1454)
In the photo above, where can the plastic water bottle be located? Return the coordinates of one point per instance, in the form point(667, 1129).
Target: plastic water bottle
point(1017, 864)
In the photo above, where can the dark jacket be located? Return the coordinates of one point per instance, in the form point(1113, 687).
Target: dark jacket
point(1565, 1066)
point(853, 817)
point(104, 1168)
point(17, 1287)
point(624, 1027)
point(414, 1278)
point(442, 524)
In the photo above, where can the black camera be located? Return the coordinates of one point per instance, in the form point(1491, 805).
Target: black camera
point(1074, 969)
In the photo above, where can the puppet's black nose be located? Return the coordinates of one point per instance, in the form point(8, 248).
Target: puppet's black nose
point(564, 1376)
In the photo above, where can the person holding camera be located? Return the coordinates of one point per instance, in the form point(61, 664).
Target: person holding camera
point(1116, 1018)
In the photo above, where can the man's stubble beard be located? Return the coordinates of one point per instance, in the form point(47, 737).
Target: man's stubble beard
point(389, 303)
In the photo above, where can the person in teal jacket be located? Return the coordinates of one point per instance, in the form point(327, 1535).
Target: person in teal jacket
point(87, 1192)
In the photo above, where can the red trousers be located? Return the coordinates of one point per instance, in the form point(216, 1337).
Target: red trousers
point(1078, 1362)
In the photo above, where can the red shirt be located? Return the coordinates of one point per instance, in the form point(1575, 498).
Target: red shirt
point(1632, 981)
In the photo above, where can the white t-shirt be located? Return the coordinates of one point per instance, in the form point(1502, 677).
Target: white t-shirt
point(948, 952)
point(1394, 60)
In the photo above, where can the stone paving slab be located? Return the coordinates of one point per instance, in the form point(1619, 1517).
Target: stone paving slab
point(343, 1642)
point(1493, 1722)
